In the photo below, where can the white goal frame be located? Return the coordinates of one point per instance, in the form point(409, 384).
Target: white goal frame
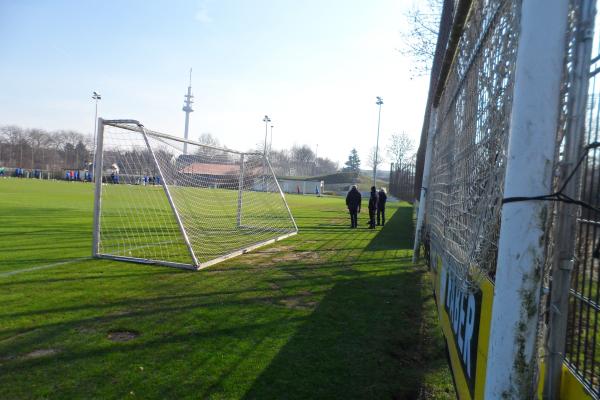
point(195, 264)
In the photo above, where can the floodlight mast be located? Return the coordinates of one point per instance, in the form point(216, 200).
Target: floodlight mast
point(379, 103)
point(266, 120)
point(271, 141)
point(187, 108)
point(96, 96)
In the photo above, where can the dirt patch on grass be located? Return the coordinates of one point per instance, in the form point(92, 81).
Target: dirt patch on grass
point(308, 256)
point(298, 301)
point(276, 255)
point(276, 249)
point(40, 353)
point(122, 335)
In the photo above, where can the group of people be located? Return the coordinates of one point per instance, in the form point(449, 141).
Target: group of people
point(376, 206)
point(76, 175)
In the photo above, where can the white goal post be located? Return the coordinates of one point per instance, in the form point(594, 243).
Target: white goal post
point(161, 199)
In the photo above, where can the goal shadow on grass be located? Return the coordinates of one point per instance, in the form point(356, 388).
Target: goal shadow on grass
point(366, 339)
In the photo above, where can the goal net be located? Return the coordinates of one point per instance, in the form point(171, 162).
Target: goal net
point(165, 200)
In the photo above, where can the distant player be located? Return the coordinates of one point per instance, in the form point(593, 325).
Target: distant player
point(353, 200)
point(373, 200)
point(2, 172)
point(381, 207)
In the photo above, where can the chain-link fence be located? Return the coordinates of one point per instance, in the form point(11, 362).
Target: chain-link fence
point(465, 136)
point(402, 181)
point(470, 131)
point(582, 353)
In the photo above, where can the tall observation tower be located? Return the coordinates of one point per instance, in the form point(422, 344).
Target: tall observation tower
point(187, 108)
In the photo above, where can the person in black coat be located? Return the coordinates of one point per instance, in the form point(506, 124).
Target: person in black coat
point(373, 201)
point(353, 200)
point(381, 207)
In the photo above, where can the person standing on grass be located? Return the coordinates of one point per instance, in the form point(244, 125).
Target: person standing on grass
point(373, 200)
point(381, 207)
point(353, 200)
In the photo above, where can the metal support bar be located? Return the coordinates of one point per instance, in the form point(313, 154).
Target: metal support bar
point(512, 363)
point(149, 261)
point(170, 198)
point(240, 191)
point(98, 160)
point(566, 227)
point(282, 196)
point(126, 124)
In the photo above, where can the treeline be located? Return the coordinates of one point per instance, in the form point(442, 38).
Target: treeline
point(300, 161)
point(67, 149)
point(45, 150)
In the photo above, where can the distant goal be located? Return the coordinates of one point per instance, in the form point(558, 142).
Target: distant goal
point(160, 199)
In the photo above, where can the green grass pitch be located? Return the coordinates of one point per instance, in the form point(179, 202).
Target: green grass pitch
point(330, 313)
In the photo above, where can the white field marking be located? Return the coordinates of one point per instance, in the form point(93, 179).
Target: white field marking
point(19, 271)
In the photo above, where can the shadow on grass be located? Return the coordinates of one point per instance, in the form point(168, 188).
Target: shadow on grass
point(397, 234)
point(364, 340)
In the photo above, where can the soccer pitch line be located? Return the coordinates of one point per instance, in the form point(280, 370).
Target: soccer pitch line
point(19, 271)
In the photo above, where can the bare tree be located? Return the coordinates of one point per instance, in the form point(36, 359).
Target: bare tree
point(420, 36)
point(303, 159)
point(324, 166)
point(208, 139)
point(400, 147)
point(373, 156)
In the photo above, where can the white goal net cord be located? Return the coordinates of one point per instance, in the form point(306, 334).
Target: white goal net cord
point(226, 201)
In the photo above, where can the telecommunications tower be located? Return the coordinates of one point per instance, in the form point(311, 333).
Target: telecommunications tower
point(187, 108)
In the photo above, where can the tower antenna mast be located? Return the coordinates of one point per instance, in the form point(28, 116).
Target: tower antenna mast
point(187, 108)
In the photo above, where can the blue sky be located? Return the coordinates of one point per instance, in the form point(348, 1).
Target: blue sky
point(314, 67)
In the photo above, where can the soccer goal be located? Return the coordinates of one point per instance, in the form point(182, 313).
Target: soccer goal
point(161, 199)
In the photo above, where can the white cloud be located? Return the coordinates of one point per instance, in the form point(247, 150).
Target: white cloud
point(202, 15)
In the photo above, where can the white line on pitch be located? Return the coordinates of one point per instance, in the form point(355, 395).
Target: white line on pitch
point(19, 271)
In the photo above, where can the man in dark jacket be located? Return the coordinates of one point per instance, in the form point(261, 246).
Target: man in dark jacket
point(373, 200)
point(381, 207)
point(353, 200)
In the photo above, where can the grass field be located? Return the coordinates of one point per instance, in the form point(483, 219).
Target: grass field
point(331, 313)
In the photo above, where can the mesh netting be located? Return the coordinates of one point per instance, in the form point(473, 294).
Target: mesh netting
point(222, 201)
point(469, 146)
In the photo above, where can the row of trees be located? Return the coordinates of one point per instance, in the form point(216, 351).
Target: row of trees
point(57, 150)
point(300, 160)
point(41, 149)
point(399, 150)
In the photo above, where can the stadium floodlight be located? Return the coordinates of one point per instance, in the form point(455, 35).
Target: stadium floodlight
point(96, 96)
point(155, 204)
point(266, 120)
point(379, 102)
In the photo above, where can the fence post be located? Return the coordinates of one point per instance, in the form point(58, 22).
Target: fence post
point(563, 260)
point(511, 363)
point(424, 183)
